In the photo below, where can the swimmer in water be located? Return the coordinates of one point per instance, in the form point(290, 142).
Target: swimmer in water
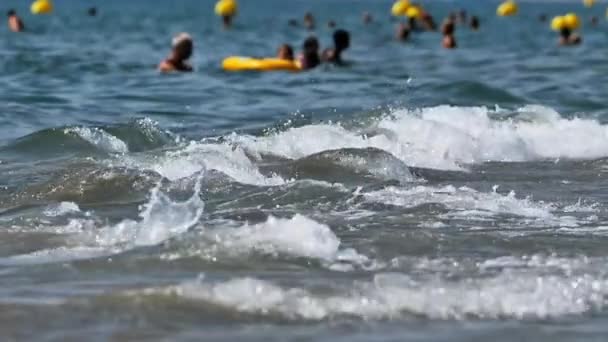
point(447, 29)
point(462, 16)
point(180, 53)
point(92, 12)
point(309, 58)
point(285, 52)
point(309, 21)
point(331, 24)
point(542, 18)
point(474, 24)
point(403, 32)
point(341, 43)
point(566, 37)
point(594, 21)
point(428, 22)
point(14, 22)
point(367, 18)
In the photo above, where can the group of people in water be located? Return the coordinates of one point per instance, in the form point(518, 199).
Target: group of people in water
point(311, 57)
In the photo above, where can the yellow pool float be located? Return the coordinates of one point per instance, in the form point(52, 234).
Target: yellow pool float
point(41, 7)
point(507, 8)
point(413, 12)
point(558, 23)
point(226, 8)
point(572, 21)
point(400, 8)
point(236, 63)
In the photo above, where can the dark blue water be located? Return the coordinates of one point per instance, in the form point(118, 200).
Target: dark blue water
point(416, 194)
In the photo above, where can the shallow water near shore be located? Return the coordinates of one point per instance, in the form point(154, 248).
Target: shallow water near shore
point(418, 194)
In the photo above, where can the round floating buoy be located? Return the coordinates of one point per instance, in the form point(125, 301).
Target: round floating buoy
point(572, 21)
point(558, 23)
point(226, 8)
point(507, 8)
point(589, 3)
point(413, 12)
point(400, 8)
point(42, 7)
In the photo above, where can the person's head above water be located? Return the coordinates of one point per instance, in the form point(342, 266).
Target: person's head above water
point(182, 47)
point(310, 53)
point(309, 21)
point(285, 52)
point(474, 23)
point(92, 11)
point(448, 27)
point(341, 40)
point(11, 13)
point(367, 18)
point(567, 37)
point(14, 22)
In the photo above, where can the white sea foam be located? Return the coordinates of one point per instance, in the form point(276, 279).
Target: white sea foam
point(197, 157)
point(161, 219)
point(390, 295)
point(100, 139)
point(462, 201)
point(61, 209)
point(447, 137)
point(298, 236)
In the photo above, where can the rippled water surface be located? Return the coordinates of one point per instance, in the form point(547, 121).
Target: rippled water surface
point(417, 194)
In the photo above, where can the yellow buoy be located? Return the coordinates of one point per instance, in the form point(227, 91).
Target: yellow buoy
point(558, 23)
point(413, 12)
point(571, 21)
point(226, 8)
point(507, 8)
point(42, 7)
point(589, 3)
point(400, 8)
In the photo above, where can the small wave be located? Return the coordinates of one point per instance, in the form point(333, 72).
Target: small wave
point(462, 201)
point(509, 294)
point(99, 138)
point(295, 237)
point(61, 209)
point(447, 138)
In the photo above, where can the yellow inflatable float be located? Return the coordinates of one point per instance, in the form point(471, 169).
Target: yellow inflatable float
point(569, 21)
point(42, 7)
point(589, 3)
point(235, 63)
point(226, 8)
point(413, 12)
point(507, 8)
point(400, 8)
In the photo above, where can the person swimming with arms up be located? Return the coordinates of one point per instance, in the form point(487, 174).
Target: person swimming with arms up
point(285, 52)
point(181, 51)
point(567, 38)
point(14, 22)
point(309, 58)
point(341, 44)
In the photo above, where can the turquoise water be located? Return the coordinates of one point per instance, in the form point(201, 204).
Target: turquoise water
point(417, 194)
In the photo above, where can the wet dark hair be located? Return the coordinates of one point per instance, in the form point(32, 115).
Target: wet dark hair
point(11, 12)
point(447, 28)
point(565, 33)
point(341, 39)
point(288, 49)
point(474, 22)
point(311, 44)
point(311, 52)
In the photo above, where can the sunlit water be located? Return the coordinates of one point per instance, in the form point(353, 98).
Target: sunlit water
point(418, 194)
